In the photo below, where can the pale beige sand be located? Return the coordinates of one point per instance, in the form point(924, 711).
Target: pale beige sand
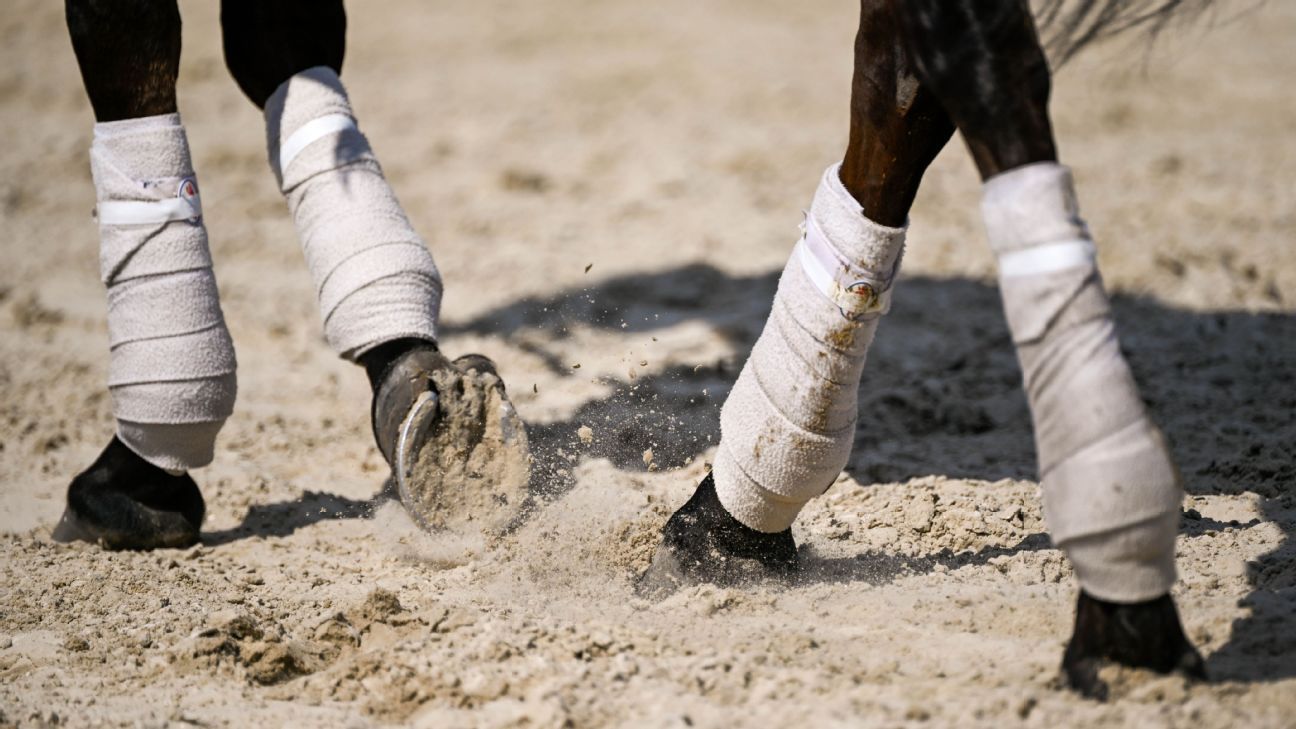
point(672, 145)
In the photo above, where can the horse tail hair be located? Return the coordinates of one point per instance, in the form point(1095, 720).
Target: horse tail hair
point(1066, 26)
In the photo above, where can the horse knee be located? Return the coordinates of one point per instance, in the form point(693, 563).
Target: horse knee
point(129, 55)
point(267, 43)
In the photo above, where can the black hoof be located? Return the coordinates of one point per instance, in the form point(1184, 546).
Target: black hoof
point(399, 371)
point(1139, 635)
point(702, 543)
point(456, 446)
point(125, 502)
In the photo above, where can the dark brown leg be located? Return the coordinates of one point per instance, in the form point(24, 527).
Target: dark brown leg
point(129, 54)
point(897, 125)
point(267, 42)
point(897, 128)
point(984, 62)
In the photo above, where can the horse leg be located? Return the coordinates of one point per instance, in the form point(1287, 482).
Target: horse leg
point(1111, 494)
point(171, 372)
point(379, 291)
point(789, 423)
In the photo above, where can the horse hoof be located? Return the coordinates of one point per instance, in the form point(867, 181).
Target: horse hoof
point(454, 441)
point(1139, 635)
point(124, 502)
point(701, 542)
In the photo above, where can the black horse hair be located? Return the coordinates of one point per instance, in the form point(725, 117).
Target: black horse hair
point(1066, 26)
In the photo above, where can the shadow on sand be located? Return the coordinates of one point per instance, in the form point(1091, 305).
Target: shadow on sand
point(941, 395)
point(282, 518)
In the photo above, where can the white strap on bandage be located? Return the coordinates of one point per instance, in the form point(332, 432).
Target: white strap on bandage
point(788, 425)
point(1111, 491)
point(186, 205)
point(310, 132)
point(171, 371)
point(1047, 258)
point(856, 291)
point(374, 276)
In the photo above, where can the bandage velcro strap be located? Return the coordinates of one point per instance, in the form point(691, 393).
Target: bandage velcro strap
point(1047, 258)
point(311, 132)
point(858, 292)
point(150, 212)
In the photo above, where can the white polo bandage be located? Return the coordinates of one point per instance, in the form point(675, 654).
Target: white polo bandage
point(787, 428)
point(1111, 493)
point(374, 277)
point(171, 373)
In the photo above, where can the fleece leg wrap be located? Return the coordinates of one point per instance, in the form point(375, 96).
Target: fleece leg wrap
point(787, 428)
point(1111, 492)
point(374, 277)
point(171, 373)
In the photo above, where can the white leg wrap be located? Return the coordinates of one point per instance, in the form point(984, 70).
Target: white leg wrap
point(171, 374)
point(374, 277)
point(1111, 492)
point(787, 428)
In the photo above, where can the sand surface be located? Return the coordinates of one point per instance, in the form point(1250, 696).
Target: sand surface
point(671, 145)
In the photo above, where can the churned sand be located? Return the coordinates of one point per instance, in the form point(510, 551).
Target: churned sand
point(609, 189)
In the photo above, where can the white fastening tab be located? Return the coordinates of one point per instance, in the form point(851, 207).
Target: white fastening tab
point(1047, 258)
point(311, 132)
point(135, 212)
point(856, 291)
